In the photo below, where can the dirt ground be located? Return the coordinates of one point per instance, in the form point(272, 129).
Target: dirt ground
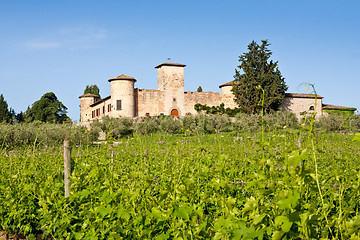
point(3, 236)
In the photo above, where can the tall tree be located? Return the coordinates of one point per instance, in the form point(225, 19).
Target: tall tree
point(199, 89)
point(5, 113)
point(256, 72)
point(47, 109)
point(93, 89)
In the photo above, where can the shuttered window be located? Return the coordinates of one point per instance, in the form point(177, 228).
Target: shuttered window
point(118, 105)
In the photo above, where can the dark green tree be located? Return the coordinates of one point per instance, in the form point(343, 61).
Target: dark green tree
point(47, 109)
point(93, 89)
point(5, 113)
point(256, 72)
point(199, 89)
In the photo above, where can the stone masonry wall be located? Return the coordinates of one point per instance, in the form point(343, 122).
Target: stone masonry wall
point(100, 110)
point(227, 97)
point(299, 105)
point(149, 101)
point(208, 98)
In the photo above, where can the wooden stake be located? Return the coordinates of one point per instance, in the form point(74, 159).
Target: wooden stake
point(67, 166)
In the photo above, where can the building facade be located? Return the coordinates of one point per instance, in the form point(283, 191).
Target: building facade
point(171, 99)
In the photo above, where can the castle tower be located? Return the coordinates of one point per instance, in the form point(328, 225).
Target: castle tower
point(85, 101)
point(171, 81)
point(122, 96)
point(227, 97)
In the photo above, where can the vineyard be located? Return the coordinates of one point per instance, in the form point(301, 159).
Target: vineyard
point(283, 184)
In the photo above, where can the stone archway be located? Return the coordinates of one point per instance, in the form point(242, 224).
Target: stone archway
point(174, 113)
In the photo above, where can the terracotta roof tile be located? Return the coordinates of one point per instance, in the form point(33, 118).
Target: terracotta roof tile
point(303, 95)
point(171, 64)
point(122, 77)
point(100, 101)
point(228, 84)
point(335, 107)
point(88, 95)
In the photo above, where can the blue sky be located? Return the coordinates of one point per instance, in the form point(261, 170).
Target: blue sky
point(62, 46)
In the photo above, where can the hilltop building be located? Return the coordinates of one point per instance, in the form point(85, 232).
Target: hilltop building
point(171, 99)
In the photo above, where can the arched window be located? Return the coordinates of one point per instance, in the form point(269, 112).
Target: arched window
point(311, 108)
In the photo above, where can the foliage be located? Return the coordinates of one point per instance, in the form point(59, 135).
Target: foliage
point(41, 134)
point(147, 125)
point(205, 124)
point(47, 109)
point(344, 112)
point(258, 72)
point(170, 125)
point(231, 112)
point(339, 122)
point(92, 89)
point(199, 89)
point(6, 115)
point(114, 127)
point(253, 186)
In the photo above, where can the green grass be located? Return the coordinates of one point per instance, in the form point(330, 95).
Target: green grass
point(229, 186)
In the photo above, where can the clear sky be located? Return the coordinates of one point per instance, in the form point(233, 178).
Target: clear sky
point(62, 46)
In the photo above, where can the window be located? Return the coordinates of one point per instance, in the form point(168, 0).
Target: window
point(147, 114)
point(97, 112)
point(93, 114)
point(103, 109)
point(109, 107)
point(118, 105)
point(311, 108)
point(174, 99)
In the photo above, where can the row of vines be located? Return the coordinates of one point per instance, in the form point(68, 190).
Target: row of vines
point(270, 185)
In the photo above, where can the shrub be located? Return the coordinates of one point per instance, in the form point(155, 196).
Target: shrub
point(147, 125)
point(331, 122)
point(170, 125)
point(245, 122)
point(353, 122)
point(280, 119)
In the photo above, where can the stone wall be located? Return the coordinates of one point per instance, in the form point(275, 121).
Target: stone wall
point(298, 105)
point(171, 83)
point(149, 102)
point(227, 97)
point(85, 110)
point(122, 90)
point(100, 109)
point(208, 98)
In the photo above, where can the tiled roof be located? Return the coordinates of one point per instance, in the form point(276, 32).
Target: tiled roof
point(122, 77)
point(100, 101)
point(228, 84)
point(171, 64)
point(336, 107)
point(303, 95)
point(88, 95)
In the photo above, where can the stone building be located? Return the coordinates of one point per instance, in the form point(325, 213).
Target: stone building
point(171, 99)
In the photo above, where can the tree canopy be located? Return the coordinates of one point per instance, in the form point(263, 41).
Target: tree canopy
point(47, 109)
point(93, 89)
point(6, 114)
point(255, 73)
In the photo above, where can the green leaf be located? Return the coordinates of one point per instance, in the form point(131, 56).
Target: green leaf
point(283, 222)
point(181, 212)
point(103, 210)
point(289, 202)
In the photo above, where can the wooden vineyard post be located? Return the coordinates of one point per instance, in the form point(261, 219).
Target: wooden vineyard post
point(67, 166)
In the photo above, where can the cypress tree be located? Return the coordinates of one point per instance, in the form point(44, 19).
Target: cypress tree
point(256, 72)
point(5, 115)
